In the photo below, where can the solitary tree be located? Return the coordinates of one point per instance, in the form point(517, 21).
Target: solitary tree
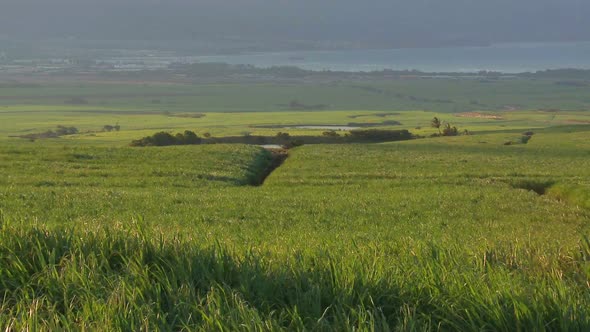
point(436, 123)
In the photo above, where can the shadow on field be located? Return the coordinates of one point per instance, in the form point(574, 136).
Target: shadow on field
point(130, 278)
point(127, 279)
point(574, 195)
point(173, 285)
point(538, 186)
point(264, 164)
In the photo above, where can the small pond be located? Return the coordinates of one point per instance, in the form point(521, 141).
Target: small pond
point(271, 146)
point(326, 127)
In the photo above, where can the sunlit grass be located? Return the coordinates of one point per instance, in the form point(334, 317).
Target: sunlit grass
point(453, 233)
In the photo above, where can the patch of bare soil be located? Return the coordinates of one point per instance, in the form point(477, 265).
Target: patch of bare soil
point(576, 121)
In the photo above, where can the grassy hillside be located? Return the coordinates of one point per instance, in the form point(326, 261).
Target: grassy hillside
point(425, 234)
point(466, 233)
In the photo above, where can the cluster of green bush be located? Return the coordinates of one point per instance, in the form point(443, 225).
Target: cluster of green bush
point(63, 131)
point(165, 139)
point(281, 138)
point(109, 128)
point(379, 135)
point(59, 131)
point(330, 133)
point(360, 135)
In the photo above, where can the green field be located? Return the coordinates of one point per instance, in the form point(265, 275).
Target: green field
point(446, 233)
point(440, 95)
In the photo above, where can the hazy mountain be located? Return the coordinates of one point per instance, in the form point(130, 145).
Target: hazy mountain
point(389, 23)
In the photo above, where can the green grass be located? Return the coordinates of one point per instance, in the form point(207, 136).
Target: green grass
point(141, 108)
point(134, 126)
point(425, 234)
point(429, 234)
point(132, 279)
point(437, 95)
point(576, 194)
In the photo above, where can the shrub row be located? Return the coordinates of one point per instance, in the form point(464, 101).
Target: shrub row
point(165, 139)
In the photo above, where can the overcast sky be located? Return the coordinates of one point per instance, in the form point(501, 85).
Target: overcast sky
point(395, 22)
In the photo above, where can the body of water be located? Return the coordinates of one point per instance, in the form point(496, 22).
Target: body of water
point(327, 127)
point(506, 58)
